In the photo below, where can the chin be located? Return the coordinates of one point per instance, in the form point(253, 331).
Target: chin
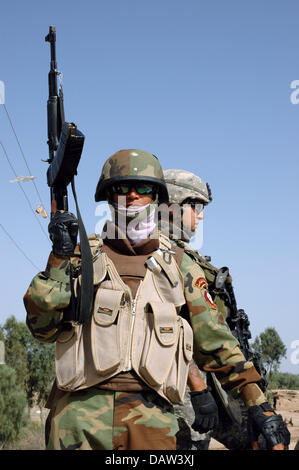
point(134, 204)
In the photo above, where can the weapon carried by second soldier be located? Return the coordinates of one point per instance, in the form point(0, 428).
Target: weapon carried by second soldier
point(192, 194)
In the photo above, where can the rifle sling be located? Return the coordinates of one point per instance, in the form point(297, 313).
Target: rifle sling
point(86, 294)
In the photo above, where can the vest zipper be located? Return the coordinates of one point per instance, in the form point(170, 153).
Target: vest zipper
point(128, 365)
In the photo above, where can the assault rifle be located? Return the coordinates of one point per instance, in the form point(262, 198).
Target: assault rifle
point(65, 143)
point(239, 323)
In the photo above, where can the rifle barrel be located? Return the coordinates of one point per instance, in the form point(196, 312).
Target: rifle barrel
point(53, 105)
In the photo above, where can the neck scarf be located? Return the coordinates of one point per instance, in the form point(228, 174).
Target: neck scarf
point(137, 222)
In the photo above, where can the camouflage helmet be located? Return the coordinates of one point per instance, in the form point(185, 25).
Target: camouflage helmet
point(131, 165)
point(182, 185)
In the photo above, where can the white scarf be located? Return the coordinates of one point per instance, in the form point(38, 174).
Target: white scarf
point(138, 220)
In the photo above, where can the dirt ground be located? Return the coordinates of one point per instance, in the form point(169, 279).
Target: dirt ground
point(287, 405)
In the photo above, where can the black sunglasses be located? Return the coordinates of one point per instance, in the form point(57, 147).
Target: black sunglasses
point(125, 188)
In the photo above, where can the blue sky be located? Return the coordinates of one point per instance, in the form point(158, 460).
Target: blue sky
point(205, 86)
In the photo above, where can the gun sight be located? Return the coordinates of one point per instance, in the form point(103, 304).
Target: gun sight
point(51, 37)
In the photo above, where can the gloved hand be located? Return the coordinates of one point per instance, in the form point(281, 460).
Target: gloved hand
point(272, 427)
point(63, 230)
point(205, 409)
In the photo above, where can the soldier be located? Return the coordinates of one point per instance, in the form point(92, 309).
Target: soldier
point(119, 374)
point(192, 194)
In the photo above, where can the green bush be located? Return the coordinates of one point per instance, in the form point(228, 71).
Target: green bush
point(282, 380)
point(13, 405)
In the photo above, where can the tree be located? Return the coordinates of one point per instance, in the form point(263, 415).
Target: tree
point(33, 361)
point(12, 406)
point(15, 339)
point(41, 366)
point(271, 347)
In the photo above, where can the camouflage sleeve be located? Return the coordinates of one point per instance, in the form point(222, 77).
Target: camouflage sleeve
point(48, 294)
point(215, 348)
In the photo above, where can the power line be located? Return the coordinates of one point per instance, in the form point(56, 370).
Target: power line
point(18, 247)
point(22, 189)
point(21, 150)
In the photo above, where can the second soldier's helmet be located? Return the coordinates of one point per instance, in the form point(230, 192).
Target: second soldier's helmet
point(131, 165)
point(182, 185)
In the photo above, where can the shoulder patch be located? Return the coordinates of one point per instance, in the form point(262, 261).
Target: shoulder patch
point(209, 299)
point(201, 282)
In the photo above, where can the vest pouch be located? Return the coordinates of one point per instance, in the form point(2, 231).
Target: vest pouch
point(99, 267)
point(70, 359)
point(105, 330)
point(168, 280)
point(175, 385)
point(160, 343)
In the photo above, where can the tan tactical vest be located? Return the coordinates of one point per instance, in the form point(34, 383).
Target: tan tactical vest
point(144, 334)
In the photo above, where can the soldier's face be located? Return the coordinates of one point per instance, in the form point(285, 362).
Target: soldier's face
point(191, 217)
point(132, 198)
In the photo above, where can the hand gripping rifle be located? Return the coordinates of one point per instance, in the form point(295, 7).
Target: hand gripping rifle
point(65, 143)
point(239, 323)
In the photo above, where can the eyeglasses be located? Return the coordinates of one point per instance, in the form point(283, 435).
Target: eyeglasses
point(126, 188)
point(198, 207)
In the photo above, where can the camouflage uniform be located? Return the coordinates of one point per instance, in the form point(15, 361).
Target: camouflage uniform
point(232, 428)
point(124, 412)
point(95, 419)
